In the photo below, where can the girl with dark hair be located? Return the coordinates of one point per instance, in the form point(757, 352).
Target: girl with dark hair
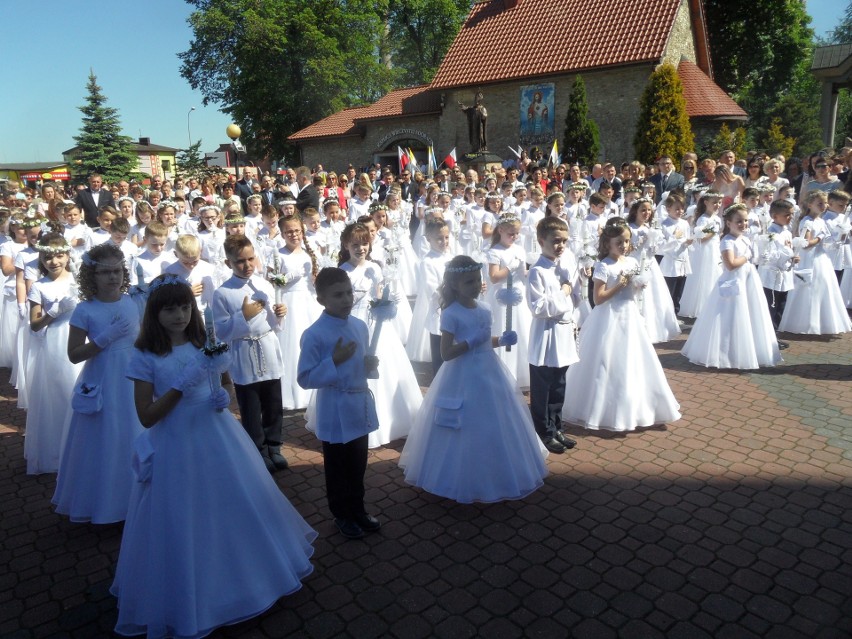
point(209, 540)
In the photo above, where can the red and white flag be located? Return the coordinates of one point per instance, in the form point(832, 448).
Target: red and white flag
point(450, 160)
point(402, 156)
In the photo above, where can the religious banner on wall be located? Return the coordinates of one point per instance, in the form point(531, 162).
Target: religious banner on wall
point(536, 115)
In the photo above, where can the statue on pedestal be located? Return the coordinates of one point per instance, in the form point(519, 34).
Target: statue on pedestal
point(476, 120)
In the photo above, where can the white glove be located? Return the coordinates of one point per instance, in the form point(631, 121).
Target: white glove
point(193, 373)
point(508, 338)
point(22, 310)
point(118, 328)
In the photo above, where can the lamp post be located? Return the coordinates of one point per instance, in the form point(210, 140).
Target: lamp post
point(188, 132)
point(233, 131)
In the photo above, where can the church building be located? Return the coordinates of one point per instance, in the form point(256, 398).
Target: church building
point(523, 57)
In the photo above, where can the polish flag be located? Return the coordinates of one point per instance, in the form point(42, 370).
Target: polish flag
point(450, 160)
point(402, 156)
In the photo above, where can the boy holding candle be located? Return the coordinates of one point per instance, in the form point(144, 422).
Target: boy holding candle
point(334, 360)
point(246, 318)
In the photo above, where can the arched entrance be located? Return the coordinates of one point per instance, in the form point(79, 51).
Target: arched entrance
point(389, 155)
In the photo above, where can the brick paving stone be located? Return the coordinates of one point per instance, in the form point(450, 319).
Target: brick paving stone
point(732, 522)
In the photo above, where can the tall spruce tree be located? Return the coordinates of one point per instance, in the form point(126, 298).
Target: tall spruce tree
point(582, 142)
point(663, 126)
point(101, 147)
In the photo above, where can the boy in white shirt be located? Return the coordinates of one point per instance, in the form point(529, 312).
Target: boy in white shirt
point(246, 318)
point(152, 259)
point(552, 345)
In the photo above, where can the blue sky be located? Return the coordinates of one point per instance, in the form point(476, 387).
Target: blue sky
point(49, 51)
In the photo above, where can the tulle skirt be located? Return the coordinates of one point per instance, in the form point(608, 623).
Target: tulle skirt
point(618, 384)
point(52, 377)
point(706, 263)
point(816, 307)
point(473, 440)
point(302, 311)
point(94, 480)
point(657, 307)
point(734, 330)
point(209, 539)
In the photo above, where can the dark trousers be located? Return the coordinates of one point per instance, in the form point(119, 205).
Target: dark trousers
point(262, 412)
point(345, 465)
point(676, 285)
point(777, 301)
point(547, 392)
point(659, 259)
point(435, 347)
point(591, 286)
point(839, 276)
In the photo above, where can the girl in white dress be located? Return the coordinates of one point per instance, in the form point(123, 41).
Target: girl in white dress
point(10, 316)
point(95, 477)
point(704, 259)
point(655, 302)
point(507, 274)
point(473, 440)
point(815, 305)
point(210, 233)
point(618, 384)
point(379, 236)
point(52, 299)
point(734, 329)
point(399, 245)
point(292, 271)
point(425, 331)
point(396, 391)
point(209, 539)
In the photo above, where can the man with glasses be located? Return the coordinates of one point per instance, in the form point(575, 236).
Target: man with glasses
point(666, 179)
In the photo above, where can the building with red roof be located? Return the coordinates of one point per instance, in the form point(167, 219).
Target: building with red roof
point(523, 56)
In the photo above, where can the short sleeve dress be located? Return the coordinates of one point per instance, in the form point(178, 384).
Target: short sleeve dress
point(618, 384)
point(473, 439)
point(209, 538)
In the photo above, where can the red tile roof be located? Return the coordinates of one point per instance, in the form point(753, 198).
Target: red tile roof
point(337, 124)
point(561, 36)
point(412, 101)
point(704, 98)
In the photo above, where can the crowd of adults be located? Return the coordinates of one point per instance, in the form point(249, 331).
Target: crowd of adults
point(824, 170)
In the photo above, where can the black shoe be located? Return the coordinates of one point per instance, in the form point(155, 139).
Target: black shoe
point(268, 463)
point(367, 522)
point(348, 528)
point(278, 460)
point(554, 446)
point(783, 345)
point(563, 439)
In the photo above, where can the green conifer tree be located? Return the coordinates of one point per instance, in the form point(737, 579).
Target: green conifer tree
point(663, 125)
point(101, 147)
point(581, 142)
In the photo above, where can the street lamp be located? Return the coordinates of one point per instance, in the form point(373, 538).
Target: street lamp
point(233, 131)
point(188, 132)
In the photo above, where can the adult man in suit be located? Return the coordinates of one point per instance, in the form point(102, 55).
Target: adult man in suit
point(308, 196)
point(92, 198)
point(267, 193)
point(666, 178)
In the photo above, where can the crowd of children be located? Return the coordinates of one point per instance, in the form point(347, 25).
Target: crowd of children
point(553, 288)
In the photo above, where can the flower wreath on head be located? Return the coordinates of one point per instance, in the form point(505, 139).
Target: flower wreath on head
point(167, 279)
point(52, 250)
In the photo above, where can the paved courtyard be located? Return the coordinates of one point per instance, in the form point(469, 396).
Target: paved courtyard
point(734, 522)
